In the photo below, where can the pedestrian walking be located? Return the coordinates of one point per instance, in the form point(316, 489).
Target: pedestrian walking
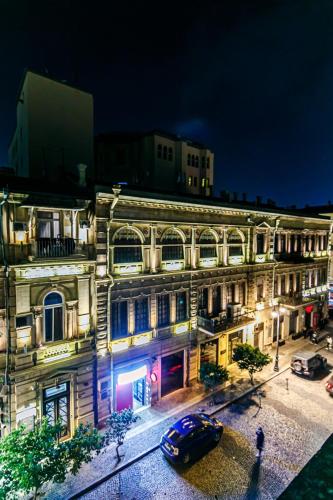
point(260, 441)
point(314, 338)
point(329, 341)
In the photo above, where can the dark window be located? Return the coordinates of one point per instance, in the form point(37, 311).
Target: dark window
point(170, 154)
point(307, 280)
point(298, 282)
point(120, 156)
point(105, 390)
point(216, 300)
point(189, 159)
point(207, 245)
point(283, 284)
point(275, 286)
point(283, 243)
point(203, 162)
point(208, 163)
point(235, 251)
point(197, 161)
point(141, 315)
point(163, 309)
point(203, 298)
point(192, 161)
point(291, 283)
point(172, 248)
point(119, 319)
point(181, 307)
point(195, 181)
point(22, 321)
point(165, 152)
point(53, 317)
point(56, 406)
point(230, 293)
point(260, 290)
point(242, 293)
point(48, 225)
point(159, 151)
point(260, 243)
point(127, 247)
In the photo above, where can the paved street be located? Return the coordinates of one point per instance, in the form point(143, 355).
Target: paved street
point(296, 422)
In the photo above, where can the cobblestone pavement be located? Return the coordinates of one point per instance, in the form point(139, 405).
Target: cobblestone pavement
point(296, 422)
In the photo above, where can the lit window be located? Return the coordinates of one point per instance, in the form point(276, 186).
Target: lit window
point(56, 406)
point(203, 182)
point(190, 180)
point(53, 317)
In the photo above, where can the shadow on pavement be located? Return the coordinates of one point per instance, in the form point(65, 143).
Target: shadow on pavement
point(253, 488)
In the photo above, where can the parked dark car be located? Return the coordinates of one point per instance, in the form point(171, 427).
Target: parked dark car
point(190, 436)
point(329, 385)
point(307, 363)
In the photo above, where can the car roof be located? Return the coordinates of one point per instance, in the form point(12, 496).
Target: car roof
point(304, 355)
point(187, 424)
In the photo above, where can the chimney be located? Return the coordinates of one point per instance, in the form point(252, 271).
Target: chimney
point(82, 174)
point(244, 196)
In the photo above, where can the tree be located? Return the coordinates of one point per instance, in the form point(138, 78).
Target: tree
point(117, 426)
point(250, 358)
point(212, 375)
point(30, 459)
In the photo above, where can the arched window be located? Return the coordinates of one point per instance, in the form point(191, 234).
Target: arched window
point(192, 161)
point(127, 247)
point(53, 317)
point(172, 248)
point(207, 243)
point(235, 244)
point(197, 161)
point(189, 159)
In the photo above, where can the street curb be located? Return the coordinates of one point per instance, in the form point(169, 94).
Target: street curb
point(140, 456)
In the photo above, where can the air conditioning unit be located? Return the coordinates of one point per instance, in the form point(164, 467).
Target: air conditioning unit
point(84, 224)
point(20, 226)
point(234, 310)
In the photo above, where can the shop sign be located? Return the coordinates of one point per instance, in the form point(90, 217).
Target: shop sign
point(131, 376)
point(45, 272)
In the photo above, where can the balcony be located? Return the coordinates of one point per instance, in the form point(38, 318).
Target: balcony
point(50, 248)
point(294, 258)
point(217, 325)
point(299, 298)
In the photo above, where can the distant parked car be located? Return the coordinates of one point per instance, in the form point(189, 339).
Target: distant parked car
point(329, 385)
point(307, 363)
point(190, 436)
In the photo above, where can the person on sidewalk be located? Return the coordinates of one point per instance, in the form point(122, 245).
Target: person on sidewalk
point(329, 341)
point(260, 441)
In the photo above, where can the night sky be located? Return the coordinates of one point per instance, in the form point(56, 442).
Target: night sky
point(251, 79)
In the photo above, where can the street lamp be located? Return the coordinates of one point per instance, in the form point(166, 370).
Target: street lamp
point(276, 314)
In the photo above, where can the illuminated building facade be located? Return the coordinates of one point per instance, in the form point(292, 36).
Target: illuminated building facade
point(114, 298)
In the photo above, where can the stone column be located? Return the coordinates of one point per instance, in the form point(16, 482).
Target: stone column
point(153, 249)
point(38, 325)
point(193, 249)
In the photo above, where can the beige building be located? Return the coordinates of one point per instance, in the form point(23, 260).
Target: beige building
point(114, 299)
point(54, 130)
point(155, 160)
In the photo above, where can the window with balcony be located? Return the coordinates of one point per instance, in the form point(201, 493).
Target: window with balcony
point(119, 319)
point(203, 300)
point(291, 284)
point(207, 243)
point(163, 309)
point(230, 293)
point(283, 246)
point(242, 293)
point(298, 282)
point(49, 241)
point(53, 317)
point(127, 247)
point(216, 300)
point(283, 284)
point(172, 246)
point(181, 306)
point(260, 290)
point(48, 224)
point(141, 312)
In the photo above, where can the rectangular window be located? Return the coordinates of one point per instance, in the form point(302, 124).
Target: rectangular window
point(127, 255)
point(203, 182)
point(203, 298)
point(172, 252)
point(260, 243)
point(119, 320)
point(260, 290)
point(298, 282)
point(181, 306)
point(141, 315)
point(56, 406)
point(159, 151)
point(195, 181)
point(48, 224)
point(283, 284)
point(190, 180)
point(163, 310)
point(291, 283)
point(23, 321)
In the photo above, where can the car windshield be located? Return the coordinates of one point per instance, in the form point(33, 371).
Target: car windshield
point(205, 419)
point(173, 435)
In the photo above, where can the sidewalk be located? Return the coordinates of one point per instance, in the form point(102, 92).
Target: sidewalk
point(146, 434)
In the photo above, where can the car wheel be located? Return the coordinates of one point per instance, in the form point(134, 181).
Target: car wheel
point(297, 367)
point(186, 458)
point(217, 437)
